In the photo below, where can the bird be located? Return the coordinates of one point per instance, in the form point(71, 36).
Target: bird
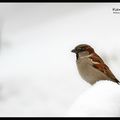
point(90, 65)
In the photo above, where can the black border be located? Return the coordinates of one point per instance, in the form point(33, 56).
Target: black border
point(43, 1)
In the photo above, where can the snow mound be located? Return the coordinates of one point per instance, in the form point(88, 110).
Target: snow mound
point(101, 100)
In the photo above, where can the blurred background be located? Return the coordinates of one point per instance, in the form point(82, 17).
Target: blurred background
point(38, 74)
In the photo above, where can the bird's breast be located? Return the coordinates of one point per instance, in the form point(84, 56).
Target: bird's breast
point(88, 72)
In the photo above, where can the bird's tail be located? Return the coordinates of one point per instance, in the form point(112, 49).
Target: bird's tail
point(118, 82)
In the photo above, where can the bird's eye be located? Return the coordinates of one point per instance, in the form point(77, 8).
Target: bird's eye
point(82, 49)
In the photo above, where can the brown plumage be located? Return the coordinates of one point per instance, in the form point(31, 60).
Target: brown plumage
point(90, 66)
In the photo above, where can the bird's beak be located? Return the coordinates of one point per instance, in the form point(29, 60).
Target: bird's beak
point(74, 51)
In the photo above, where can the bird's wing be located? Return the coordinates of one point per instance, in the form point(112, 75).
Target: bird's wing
point(104, 68)
point(101, 66)
point(96, 59)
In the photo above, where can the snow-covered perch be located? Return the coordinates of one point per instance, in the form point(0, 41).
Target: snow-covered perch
point(101, 100)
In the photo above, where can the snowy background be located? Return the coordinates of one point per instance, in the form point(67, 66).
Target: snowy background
point(38, 74)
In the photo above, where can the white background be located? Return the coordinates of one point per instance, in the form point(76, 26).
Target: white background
point(38, 74)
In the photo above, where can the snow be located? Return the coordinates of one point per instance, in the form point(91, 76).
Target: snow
point(38, 74)
point(101, 100)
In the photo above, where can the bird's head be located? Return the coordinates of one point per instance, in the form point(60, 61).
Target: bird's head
point(83, 50)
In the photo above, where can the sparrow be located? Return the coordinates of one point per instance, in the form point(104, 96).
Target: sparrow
point(90, 66)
